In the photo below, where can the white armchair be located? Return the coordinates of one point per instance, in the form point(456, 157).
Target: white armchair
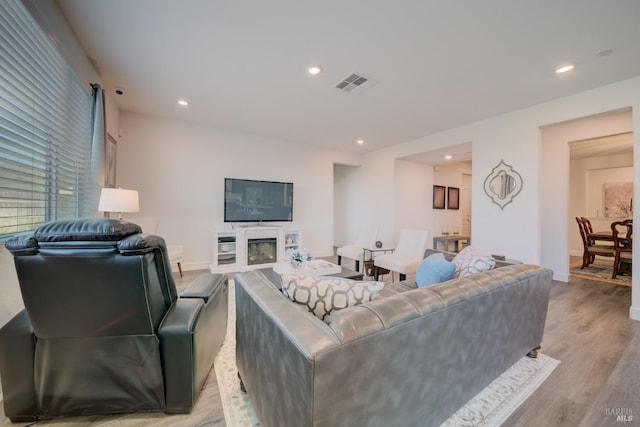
point(366, 239)
point(150, 225)
point(407, 256)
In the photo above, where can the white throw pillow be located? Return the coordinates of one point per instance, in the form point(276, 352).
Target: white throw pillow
point(323, 295)
point(469, 261)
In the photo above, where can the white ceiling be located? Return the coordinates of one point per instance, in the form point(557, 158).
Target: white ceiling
point(604, 146)
point(436, 64)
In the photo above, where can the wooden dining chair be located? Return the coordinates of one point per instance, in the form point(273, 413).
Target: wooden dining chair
point(590, 248)
point(622, 232)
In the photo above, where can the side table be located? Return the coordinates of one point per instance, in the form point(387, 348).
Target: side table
point(455, 238)
point(367, 262)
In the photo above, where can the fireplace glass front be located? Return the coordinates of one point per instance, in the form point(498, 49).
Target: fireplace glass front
point(262, 251)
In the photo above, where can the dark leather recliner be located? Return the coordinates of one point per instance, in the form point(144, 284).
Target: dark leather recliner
point(103, 329)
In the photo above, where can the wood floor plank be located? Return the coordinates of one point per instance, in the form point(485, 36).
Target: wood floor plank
point(588, 329)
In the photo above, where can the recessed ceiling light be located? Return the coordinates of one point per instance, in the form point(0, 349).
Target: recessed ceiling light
point(565, 68)
point(314, 70)
point(360, 141)
point(183, 102)
point(448, 157)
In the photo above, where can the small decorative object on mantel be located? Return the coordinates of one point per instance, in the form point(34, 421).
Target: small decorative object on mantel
point(503, 184)
point(297, 256)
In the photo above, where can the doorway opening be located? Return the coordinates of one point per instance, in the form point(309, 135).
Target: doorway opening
point(601, 190)
point(561, 199)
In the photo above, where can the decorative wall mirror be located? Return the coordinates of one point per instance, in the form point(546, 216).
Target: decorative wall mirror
point(502, 184)
point(110, 159)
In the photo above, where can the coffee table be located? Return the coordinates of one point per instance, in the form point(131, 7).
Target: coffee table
point(348, 274)
point(345, 274)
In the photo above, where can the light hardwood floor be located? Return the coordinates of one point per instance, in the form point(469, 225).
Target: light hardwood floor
point(588, 329)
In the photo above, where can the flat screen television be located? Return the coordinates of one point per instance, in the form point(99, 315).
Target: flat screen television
point(248, 200)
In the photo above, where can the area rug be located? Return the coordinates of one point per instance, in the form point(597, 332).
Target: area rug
point(490, 407)
point(601, 271)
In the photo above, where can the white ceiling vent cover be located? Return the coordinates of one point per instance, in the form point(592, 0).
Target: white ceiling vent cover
point(355, 83)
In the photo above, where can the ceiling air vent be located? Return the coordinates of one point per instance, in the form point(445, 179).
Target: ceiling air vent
point(355, 83)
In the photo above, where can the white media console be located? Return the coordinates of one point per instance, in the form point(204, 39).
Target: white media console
point(248, 248)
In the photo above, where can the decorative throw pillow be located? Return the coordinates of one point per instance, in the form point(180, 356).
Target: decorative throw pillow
point(469, 261)
point(323, 295)
point(434, 269)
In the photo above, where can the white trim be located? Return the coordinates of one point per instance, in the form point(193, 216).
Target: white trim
point(634, 313)
point(560, 277)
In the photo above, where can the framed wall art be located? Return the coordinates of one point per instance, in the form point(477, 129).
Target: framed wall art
point(618, 199)
point(453, 198)
point(439, 196)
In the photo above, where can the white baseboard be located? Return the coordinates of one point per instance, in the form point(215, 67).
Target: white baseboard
point(634, 313)
point(561, 277)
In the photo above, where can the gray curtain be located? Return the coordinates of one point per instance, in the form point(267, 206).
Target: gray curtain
point(98, 144)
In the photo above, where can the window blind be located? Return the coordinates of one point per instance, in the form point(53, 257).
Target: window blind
point(45, 128)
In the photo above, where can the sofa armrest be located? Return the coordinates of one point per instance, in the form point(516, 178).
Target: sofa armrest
point(206, 286)
point(190, 337)
point(277, 345)
point(17, 352)
point(177, 352)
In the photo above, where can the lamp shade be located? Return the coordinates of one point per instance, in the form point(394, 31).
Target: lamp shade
point(118, 200)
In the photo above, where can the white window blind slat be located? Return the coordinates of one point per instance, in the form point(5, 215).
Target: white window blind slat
point(45, 128)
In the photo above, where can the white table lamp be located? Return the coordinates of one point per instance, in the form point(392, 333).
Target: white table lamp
point(118, 200)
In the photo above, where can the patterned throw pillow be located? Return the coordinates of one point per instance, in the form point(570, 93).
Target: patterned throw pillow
point(323, 295)
point(469, 261)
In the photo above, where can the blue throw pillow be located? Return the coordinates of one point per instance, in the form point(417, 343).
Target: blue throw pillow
point(434, 269)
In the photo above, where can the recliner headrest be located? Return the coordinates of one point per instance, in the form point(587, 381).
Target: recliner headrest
point(86, 229)
point(51, 234)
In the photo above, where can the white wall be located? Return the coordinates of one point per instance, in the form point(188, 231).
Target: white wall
point(179, 170)
point(344, 233)
point(534, 228)
point(412, 197)
point(397, 194)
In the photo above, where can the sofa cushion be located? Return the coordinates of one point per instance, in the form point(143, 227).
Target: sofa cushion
point(469, 261)
point(397, 288)
point(434, 269)
point(323, 295)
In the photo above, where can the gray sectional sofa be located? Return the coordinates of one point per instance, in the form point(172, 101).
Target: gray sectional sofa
point(412, 357)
